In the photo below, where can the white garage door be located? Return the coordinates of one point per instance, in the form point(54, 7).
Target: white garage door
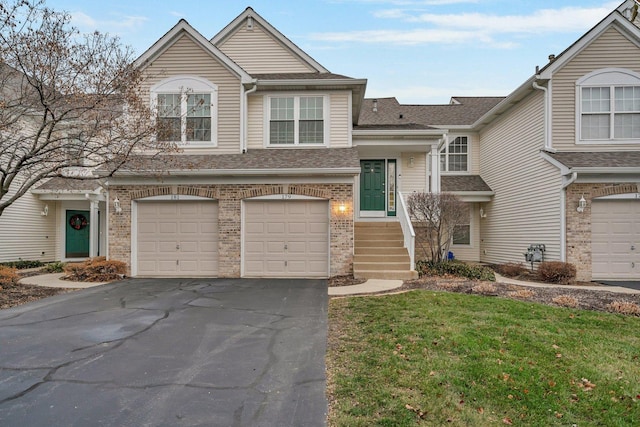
point(286, 238)
point(177, 239)
point(615, 239)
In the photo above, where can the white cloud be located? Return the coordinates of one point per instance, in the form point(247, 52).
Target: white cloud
point(115, 26)
point(177, 14)
point(472, 27)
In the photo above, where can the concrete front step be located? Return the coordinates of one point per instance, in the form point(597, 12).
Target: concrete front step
point(383, 258)
point(386, 274)
point(379, 243)
point(377, 224)
point(375, 266)
point(374, 235)
point(365, 250)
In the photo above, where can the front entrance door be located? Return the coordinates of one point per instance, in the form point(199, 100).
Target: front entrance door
point(77, 234)
point(372, 188)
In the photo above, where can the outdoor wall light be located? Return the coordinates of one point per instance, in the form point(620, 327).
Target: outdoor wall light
point(116, 205)
point(342, 208)
point(582, 204)
point(45, 210)
point(483, 214)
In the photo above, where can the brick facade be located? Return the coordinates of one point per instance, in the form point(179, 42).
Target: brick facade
point(229, 199)
point(578, 238)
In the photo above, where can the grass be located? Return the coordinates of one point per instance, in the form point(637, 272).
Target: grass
point(436, 358)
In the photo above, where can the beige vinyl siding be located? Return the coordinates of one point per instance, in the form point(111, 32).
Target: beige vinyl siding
point(414, 179)
point(470, 252)
point(25, 233)
point(339, 118)
point(258, 52)
point(474, 152)
point(186, 57)
point(526, 205)
point(255, 125)
point(611, 49)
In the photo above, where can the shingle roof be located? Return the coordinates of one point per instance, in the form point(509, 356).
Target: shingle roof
point(462, 111)
point(454, 183)
point(310, 160)
point(69, 185)
point(300, 76)
point(601, 159)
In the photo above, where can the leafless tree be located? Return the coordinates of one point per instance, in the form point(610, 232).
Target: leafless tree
point(436, 216)
point(69, 102)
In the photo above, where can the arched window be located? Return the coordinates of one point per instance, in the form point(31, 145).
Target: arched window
point(186, 111)
point(608, 106)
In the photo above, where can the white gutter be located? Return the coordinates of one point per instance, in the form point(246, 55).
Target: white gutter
point(313, 82)
point(547, 116)
point(244, 118)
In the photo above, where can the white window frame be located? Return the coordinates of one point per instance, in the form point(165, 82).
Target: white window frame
point(470, 225)
point(605, 78)
point(296, 119)
point(444, 151)
point(188, 85)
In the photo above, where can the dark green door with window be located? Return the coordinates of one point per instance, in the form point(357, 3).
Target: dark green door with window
point(372, 194)
point(77, 234)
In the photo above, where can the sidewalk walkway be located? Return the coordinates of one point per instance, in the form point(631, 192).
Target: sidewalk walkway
point(53, 280)
point(606, 288)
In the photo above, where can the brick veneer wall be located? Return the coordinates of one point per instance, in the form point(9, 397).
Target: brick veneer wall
point(578, 239)
point(229, 199)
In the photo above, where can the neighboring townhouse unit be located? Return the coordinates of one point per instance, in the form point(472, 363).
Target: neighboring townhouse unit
point(286, 170)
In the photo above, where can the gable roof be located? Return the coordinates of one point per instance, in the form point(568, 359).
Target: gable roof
point(589, 160)
point(184, 28)
point(460, 112)
point(249, 13)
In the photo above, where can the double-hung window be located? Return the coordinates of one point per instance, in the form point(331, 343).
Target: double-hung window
point(454, 157)
point(186, 111)
point(462, 231)
point(609, 106)
point(296, 120)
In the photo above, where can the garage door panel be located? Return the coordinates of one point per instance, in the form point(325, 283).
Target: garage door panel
point(286, 238)
point(177, 238)
point(615, 228)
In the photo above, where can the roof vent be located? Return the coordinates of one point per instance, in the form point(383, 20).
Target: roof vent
point(401, 116)
point(375, 105)
point(552, 57)
point(249, 22)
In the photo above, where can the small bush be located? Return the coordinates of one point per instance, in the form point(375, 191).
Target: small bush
point(22, 264)
point(95, 270)
point(624, 307)
point(484, 289)
point(565, 301)
point(557, 272)
point(8, 276)
point(511, 269)
point(54, 267)
point(455, 268)
point(522, 294)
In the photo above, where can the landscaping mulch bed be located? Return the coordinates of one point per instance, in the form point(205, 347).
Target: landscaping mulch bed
point(18, 294)
point(600, 300)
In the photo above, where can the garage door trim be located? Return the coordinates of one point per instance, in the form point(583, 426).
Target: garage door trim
point(134, 220)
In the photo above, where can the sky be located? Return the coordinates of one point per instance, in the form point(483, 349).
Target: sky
point(420, 51)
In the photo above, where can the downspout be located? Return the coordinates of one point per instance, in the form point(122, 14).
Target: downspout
point(547, 111)
point(244, 127)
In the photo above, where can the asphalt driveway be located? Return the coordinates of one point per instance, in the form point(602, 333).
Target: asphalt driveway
point(168, 352)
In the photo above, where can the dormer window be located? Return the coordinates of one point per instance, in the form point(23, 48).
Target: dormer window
point(296, 120)
point(609, 106)
point(186, 111)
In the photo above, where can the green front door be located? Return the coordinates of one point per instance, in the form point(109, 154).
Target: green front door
point(77, 234)
point(372, 195)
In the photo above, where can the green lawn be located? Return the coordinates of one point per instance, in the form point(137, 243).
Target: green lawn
point(437, 358)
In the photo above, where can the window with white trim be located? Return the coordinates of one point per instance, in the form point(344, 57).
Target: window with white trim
point(609, 106)
point(186, 111)
point(296, 120)
point(454, 156)
point(462, 231)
